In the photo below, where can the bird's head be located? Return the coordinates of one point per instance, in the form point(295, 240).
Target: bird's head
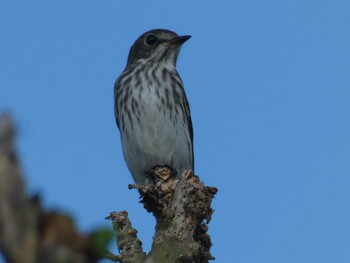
point(158, 44)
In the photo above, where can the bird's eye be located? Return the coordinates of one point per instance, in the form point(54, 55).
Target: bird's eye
point(150, 39)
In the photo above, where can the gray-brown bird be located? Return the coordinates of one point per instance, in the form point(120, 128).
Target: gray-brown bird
point(151, 107)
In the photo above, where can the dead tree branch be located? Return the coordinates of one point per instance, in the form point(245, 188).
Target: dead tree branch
point(182, 211)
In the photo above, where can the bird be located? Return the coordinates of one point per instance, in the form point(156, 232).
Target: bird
point(151, 108)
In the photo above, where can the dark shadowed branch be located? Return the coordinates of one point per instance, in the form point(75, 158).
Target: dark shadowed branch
point(28, 233)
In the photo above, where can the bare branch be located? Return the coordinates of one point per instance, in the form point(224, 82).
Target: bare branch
point(182, 211)
point(129, 245)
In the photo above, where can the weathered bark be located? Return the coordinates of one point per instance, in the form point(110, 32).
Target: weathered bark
point(182, 211)
point(127, 241)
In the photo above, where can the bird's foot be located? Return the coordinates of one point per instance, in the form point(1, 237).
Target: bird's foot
point(163, 172)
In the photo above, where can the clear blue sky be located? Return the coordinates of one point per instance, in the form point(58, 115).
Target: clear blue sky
point(269, 88)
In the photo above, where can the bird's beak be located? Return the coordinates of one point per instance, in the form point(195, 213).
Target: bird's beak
point(179, 40)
